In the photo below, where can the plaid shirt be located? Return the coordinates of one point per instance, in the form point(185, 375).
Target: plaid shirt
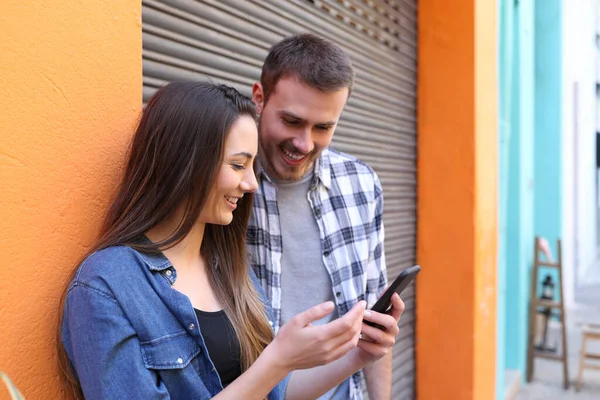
point(347, 202)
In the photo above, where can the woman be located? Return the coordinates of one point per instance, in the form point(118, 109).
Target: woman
point(164, 305)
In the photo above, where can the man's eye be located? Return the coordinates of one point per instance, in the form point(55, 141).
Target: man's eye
point(291, 122)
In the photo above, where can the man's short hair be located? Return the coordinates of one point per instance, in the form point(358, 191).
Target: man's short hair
point(315, 61)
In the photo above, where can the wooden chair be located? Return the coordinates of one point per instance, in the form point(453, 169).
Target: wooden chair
point(589, 331)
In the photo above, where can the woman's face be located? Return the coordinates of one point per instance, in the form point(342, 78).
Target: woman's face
point(236, 175)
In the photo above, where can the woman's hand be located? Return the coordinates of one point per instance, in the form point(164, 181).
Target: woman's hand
point(376, 343)
point(300, 345)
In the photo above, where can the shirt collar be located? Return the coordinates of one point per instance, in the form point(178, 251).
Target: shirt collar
point(156, 261)
point(323, 169)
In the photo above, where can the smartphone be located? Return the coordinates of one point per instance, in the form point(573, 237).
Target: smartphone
point(400, 283)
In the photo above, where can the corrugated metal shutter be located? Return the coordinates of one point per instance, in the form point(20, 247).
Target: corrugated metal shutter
point(227, 40)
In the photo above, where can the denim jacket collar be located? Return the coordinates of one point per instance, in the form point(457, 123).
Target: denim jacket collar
point(156, 261)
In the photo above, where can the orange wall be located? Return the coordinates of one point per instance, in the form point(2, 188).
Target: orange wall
point(457, 209)
point(486, 197)
point(71, 92)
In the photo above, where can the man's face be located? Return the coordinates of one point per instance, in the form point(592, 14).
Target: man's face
point(296, 124)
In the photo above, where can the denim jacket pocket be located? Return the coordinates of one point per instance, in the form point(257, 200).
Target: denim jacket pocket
point(174, 351)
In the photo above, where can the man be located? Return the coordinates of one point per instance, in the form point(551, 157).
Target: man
point(316, 231)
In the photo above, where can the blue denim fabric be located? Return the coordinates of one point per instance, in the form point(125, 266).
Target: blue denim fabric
point(129, 335)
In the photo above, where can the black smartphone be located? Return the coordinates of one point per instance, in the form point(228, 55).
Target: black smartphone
point(399, 284)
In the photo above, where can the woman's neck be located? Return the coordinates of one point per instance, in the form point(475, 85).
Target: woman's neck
point(186, 253)
point(193, 277)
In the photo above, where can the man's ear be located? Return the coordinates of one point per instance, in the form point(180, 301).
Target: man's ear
point(258, 97)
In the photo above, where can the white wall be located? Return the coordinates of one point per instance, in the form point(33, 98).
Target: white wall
point(579, 141)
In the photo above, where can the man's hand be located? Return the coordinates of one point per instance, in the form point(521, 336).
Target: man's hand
point(376, 343)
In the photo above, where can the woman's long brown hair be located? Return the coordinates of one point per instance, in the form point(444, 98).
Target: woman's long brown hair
point(174, 159)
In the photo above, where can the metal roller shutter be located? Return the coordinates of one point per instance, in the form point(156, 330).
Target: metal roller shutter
point(227, 40)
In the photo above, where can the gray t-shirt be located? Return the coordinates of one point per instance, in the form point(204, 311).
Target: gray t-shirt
point(305, 281)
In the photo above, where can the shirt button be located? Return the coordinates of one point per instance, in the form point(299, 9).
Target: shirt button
point(326, 254)
point(271, 323)
point(318, 212)
point(338, 294)
point(179, 360)
point(191, 326)
point(169, 273)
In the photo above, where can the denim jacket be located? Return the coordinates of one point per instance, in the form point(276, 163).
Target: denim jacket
point(129, 335)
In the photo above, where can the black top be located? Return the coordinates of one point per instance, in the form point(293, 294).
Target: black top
point(222, 344)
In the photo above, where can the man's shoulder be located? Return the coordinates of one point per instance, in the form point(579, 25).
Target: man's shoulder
point(344, 165)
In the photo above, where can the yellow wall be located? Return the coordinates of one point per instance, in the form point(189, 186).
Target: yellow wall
point(71, 92)
point(457, 206)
